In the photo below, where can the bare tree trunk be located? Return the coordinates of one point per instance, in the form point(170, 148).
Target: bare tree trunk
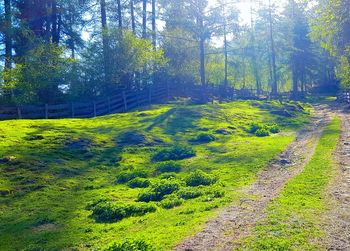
point(154, 34)
point(201, 50)
point(55, 23)
point(105, 41)
point(120, 17)
point(144, 19)
point(274, 91)
point(7, 32)
point(132, 14)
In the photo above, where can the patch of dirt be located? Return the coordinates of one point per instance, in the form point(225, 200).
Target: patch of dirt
point(337, 220)
point(226, 231)
point(46, 227)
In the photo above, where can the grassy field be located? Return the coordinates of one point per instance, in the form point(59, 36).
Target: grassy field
point(82, 184)
point(294, 218)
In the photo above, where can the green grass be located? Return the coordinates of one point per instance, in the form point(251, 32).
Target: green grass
point(51, 170)
point(293, 218)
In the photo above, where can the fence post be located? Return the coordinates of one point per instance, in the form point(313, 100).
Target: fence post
point(167, 93)
point(46, 111)
point(109, 105)
point(149, 95)
point(95, 113)
point(125, 103)
point(73, 112)
point(19, 112)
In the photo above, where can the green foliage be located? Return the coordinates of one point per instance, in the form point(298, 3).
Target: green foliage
point(199, 178)
point(263, 132)
point(203, 138)
point(159, 190)
point(188, 193)
point(36, 77)
point(169, 167)
point(177, 152)
point(139, 183)
point(112, 212)
point(171, 201)
point(130, 246)
point(126, 176)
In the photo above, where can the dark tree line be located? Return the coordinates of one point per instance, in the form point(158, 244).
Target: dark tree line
point(59, 50)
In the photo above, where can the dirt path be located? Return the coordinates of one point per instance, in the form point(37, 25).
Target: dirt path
point(337, 220)
point(232, 224)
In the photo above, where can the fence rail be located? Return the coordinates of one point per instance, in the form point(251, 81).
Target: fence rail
point(123, 102)
point(129, 100)
point(344, 97)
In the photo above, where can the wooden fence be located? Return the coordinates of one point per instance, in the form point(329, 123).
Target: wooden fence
point(344, 97)
point(123, 102)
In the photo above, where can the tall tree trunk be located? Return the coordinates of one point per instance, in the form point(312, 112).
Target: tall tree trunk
point(254, 63)
point(295, 79)
point(120, 17)
point(132, 14)
point(144, 19)
point(105, 41)
point(274, 91)
point(7, 33)
point(55, 23)
point(226, 59)
point(154, 28)
point(201, 49)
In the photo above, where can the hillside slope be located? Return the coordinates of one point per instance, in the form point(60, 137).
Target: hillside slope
point(152, 176)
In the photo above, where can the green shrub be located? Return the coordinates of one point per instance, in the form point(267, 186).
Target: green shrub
point(274, 128)
point(263, 130)
point(112, 212)
point(171, 201)
point(159, 190)
point(126, 176)
point(262, 133)
point(199, 178)
point(169, 167)
point(188, 193)
point(139, 183)
point(174, 153)
point(255, 127)
point(203, 138)
point(130, 246)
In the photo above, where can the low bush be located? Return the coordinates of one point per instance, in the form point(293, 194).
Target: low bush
point(126, 176)
point(139, 183)
point(199, 178)
point(263, 130)
point(203, 138)
point(262, 133)
point(174, 153)
point(130, 246)
point(112, 212)
point(188, 193)
point(171, 201)
point(159, 190)
point(169, 167)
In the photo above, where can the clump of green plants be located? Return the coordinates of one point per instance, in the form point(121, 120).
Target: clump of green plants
point(111, 212)
point(199, 178)
point(263, 130)
point(169, 167)
point(139, 183)
point(188, 193)
point(130, 246)
point(159, 190)
point(178, 152)
point(203, 138)
point(126, 176)
point(171, 201)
